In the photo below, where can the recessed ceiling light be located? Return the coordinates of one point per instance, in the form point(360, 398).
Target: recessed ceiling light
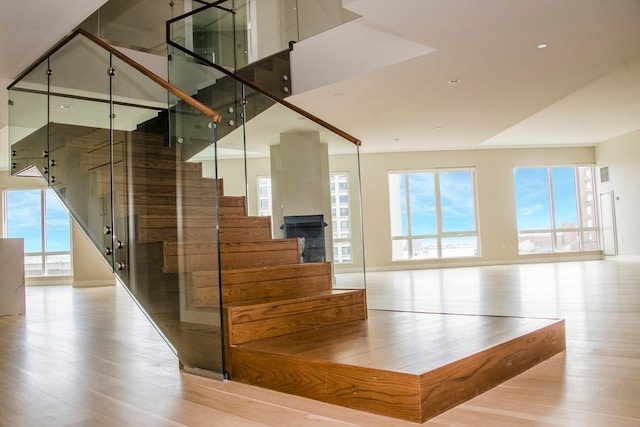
point(542, 45)
point(66, 107)
point(454, 81)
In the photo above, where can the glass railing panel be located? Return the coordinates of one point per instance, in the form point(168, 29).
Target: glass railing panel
point(194, 250)
point(255, 29)
point(104, 124)
point(164, 215)
point(214, 33)
point(302, 175)
point(79, 138)
point(138, 25)
point(211, 87)
point(28, 106)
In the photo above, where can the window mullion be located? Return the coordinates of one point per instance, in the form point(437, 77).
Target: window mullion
point(436, 190)
point(43, 228)
point(552, 210)
point(407, 199)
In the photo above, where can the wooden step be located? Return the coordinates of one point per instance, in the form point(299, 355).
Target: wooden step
point(279, 281)
point(203, 256)
point(191, 205)
point(398, 364)
point(272, 317)
point(156, 228)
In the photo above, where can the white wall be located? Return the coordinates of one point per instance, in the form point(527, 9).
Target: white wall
point(622, 156)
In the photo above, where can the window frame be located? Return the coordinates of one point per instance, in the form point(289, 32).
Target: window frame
point(440, 235)
point(44, 254)
point(581, 201)
point(341, 199)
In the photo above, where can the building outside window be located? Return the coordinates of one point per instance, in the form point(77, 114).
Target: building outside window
point(555, 209)
point(341, 221)
point(39, 217)
point(433, 214)
point(264, 196)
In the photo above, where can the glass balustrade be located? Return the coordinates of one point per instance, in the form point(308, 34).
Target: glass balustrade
point(170, 194)
point(103, 127)
point(284, 163)
point(28, 115)
point(235, 33)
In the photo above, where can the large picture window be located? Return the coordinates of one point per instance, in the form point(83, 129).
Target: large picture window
point(39, 218)
point(555, 209)
point(433, 214)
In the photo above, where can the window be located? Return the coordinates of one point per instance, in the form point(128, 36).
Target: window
point(433, 214)
point(264, 196)
point(39, 218)
point(341, 218)
point(555, 209)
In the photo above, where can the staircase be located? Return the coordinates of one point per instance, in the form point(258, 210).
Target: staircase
point(170, 209)
point(215, 282)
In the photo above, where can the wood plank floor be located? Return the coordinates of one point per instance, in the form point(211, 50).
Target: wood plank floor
point(88, 357)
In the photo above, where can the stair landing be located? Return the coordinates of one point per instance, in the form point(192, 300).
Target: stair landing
point(411, 366)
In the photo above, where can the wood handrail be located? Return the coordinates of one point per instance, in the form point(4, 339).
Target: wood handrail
point(213, 115)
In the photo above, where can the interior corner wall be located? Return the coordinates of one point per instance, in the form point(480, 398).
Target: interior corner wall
point(622, 157)
point(89, 266)
point(495, 197)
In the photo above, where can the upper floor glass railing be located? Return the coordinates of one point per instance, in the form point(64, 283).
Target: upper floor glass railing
point(138, 24)
point(259, 29)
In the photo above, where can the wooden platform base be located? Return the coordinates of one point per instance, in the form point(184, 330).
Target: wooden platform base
point(411, 366)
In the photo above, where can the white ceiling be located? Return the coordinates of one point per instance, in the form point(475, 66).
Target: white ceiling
point(582, 89)
point(384, 77)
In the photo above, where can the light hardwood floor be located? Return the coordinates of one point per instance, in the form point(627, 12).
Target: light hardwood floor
point(89, 357)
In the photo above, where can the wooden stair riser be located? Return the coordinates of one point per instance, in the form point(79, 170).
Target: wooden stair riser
point(202, 256)
point(209, 295)
point(159, 204)
point(155, 228)
point(247, 323)
point(253, 284)
point(123, 209)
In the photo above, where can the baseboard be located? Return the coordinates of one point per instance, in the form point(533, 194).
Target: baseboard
point(460, 263)
point(48, 281)
point(93, 283)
